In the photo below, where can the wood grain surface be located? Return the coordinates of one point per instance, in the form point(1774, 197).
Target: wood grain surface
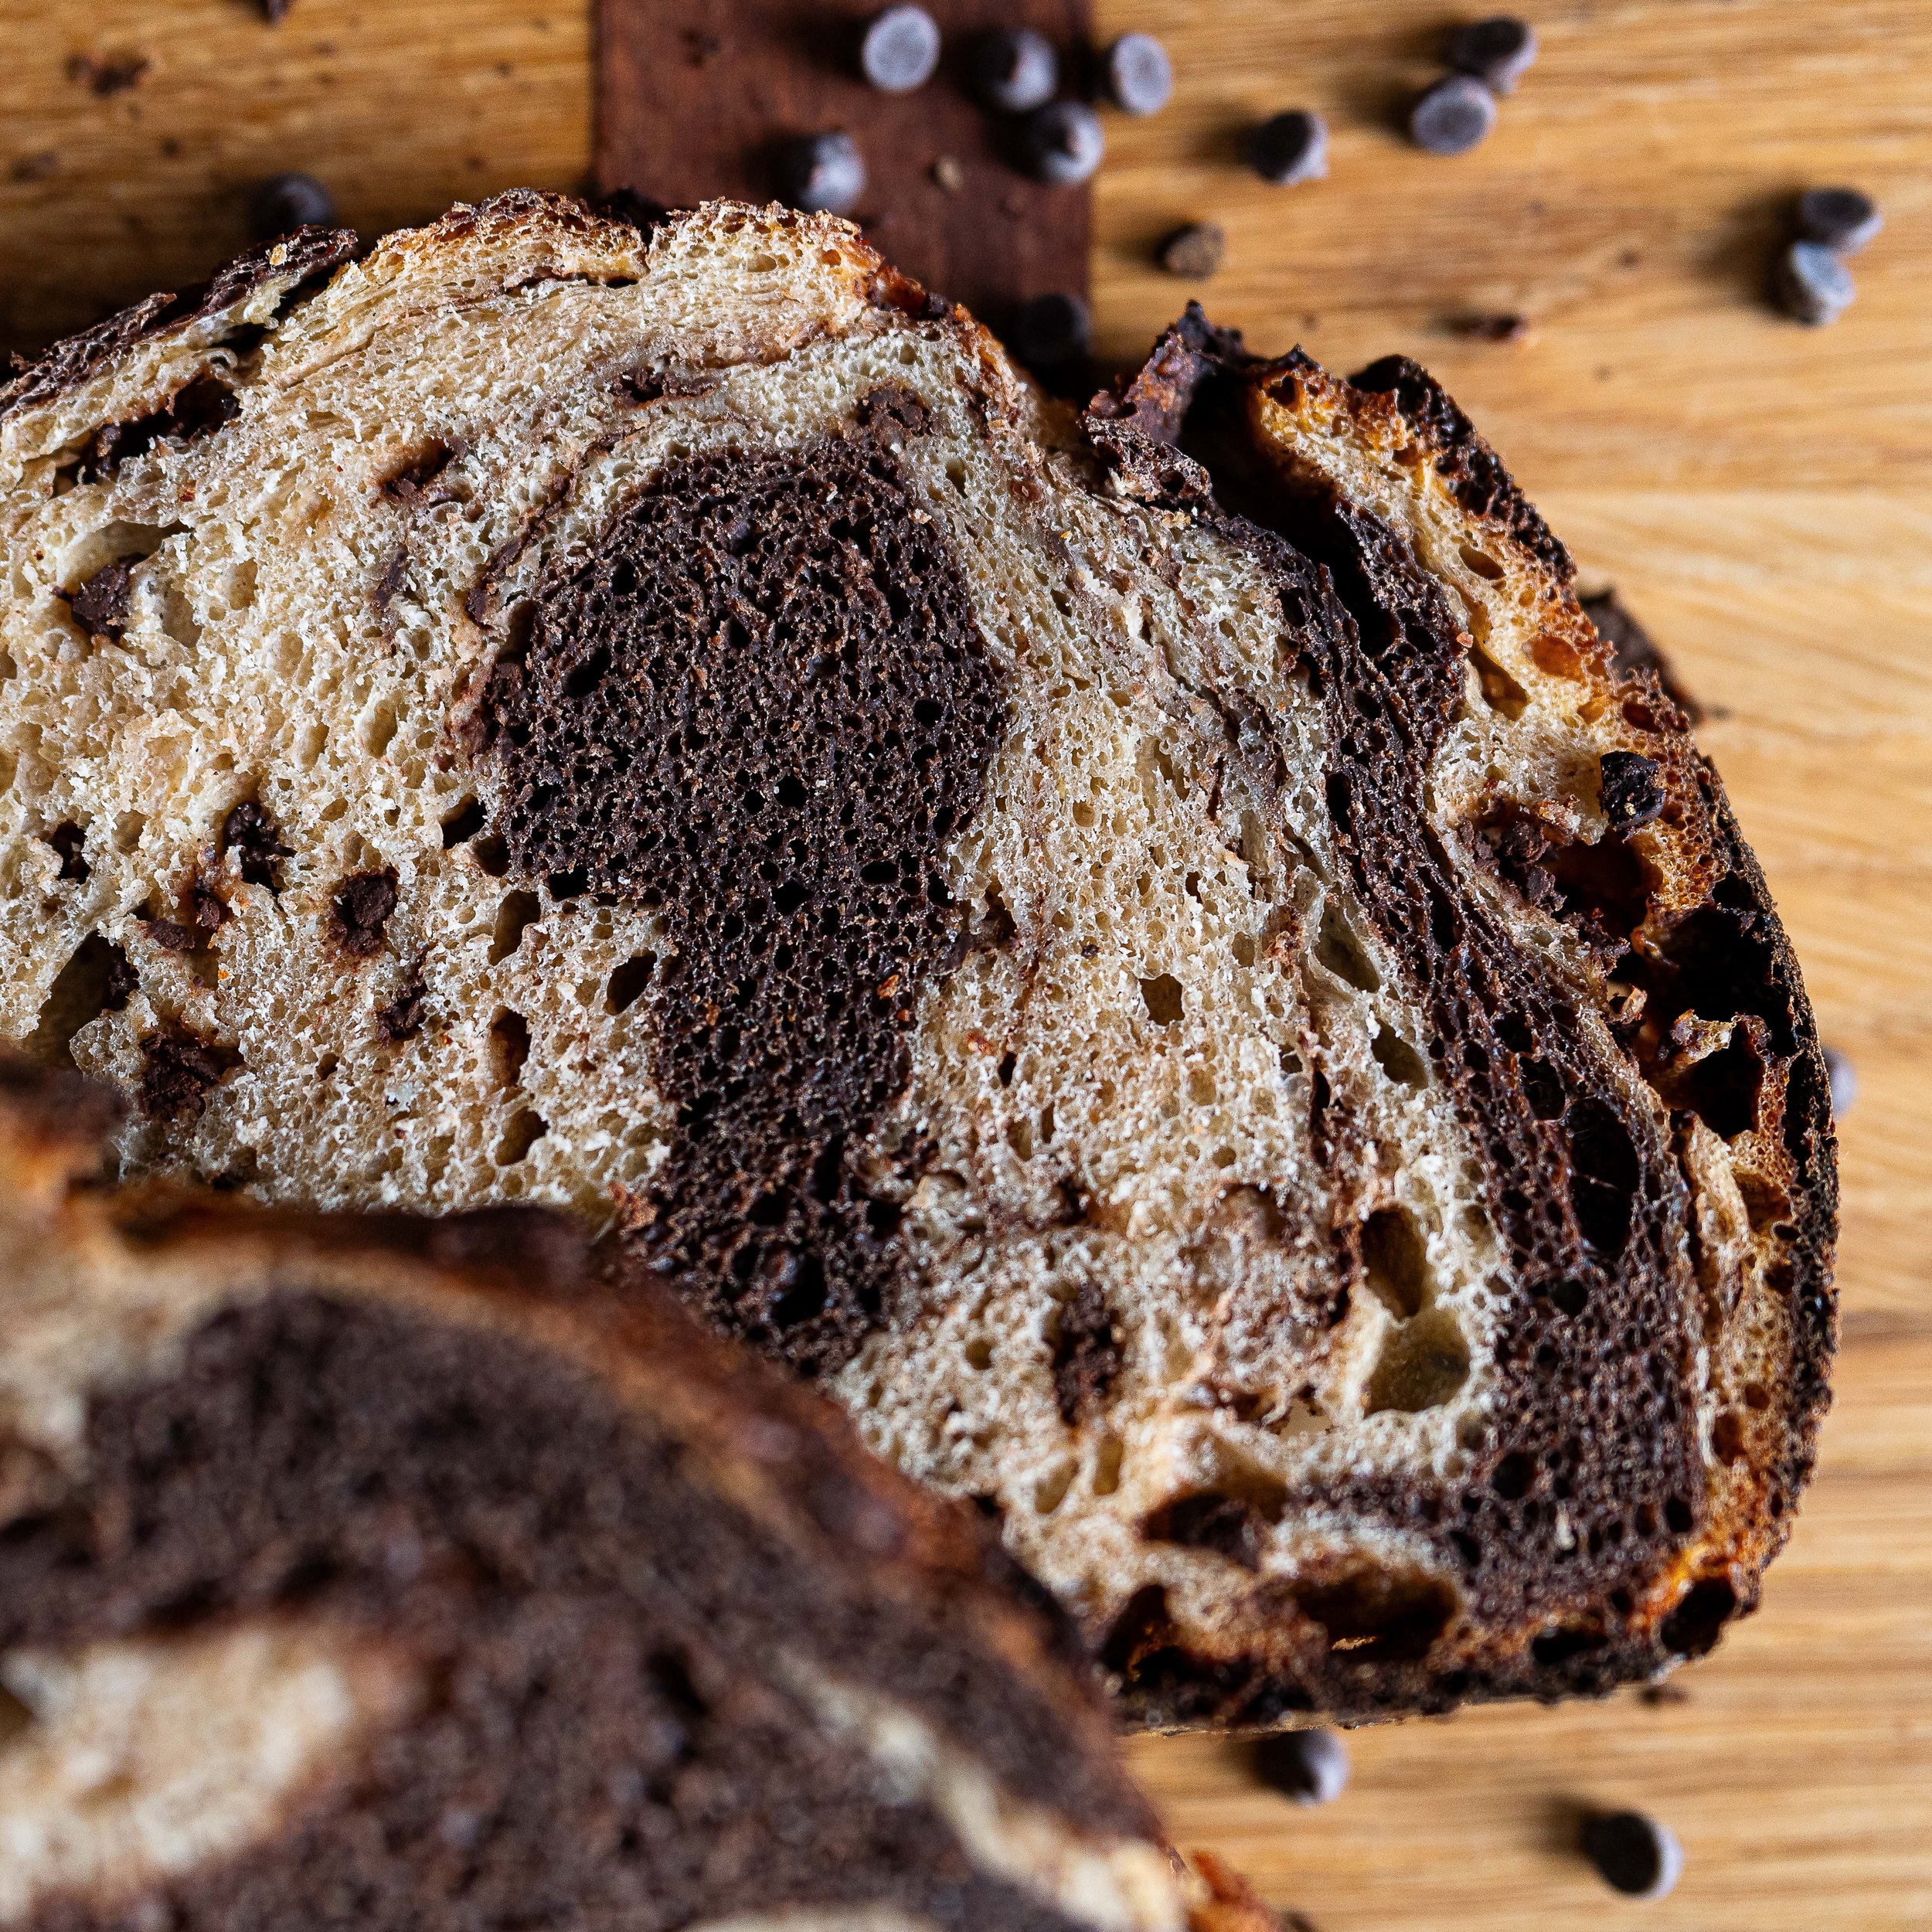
point(1760, 494)
point(695, 98)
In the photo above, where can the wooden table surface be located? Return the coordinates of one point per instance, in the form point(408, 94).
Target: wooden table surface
point(1760, 494)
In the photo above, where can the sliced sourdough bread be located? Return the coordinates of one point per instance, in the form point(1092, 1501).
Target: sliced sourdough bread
point(377, 1570)
point(1156, 954)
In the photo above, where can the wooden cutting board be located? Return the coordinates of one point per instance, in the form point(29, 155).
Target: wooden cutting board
point(1761, 494)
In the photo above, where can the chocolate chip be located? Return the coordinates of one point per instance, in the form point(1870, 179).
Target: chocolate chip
point(1842, 219)
point(178, 1069)
point(113, 74)
point(1195, 251)
point(363, 903)
point(275, 12)
point(1634, 1854)
point(1064, 143)
point(822, 172)
point(1290, 148)
point(100, 606)
point(211, 911)
point(1498, 51)
point(250, 834)
point(1844, 1078)
point(1814, 286)
point(1502, 326)
point(1455, 115)
point(284, 202)
point(1051, 330)
point(1631, 788)
point(1139, 76)
point(901, 50)
point(170, 935)
point(1014, 71)
point(1311, 1767)
point(402, 1017)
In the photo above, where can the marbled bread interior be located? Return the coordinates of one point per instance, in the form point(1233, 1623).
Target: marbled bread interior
point(1156, 955)
point(368, 1570)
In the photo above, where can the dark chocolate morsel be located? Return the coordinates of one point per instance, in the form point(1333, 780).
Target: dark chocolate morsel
point(1195, 251)
point(284, 202)
point(822, 172)
point(102, 605)
point(1633, 1853)
point(250, 834)
point(1632, 788)
point(901, 50)
point(1310, 1766)
point(363, 903)
point(1844, 220)
point(178, 1070)
point(1455, 115)
point(1064, 143)
point(1499, 52)
point(1813, 285)
point(1290, 148)
point(1015, 70)
point(1140, 77)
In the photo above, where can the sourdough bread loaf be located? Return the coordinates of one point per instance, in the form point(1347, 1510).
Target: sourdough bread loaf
point(370, 1571)
point(1155, 953)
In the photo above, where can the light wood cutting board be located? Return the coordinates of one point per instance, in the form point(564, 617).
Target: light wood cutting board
point(1761, 495)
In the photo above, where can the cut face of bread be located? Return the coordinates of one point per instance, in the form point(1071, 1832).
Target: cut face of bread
point(381, 1567)
point(1156, 955)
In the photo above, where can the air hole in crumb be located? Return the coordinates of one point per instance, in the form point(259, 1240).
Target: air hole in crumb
point(628, 981)
point(492, 855)
point(1500, 691)
point(527, 1127)
point(1729, 1441)
point(1007, 1063)
point(1162, 995)
point(1399, 1059)
point(979, 1352)
point(1107, 1465)
point(463, 824)
point(1397, 1259)
point(327, 1065)
point(1050, 1492)
point(1422, 1365)
point(15, 1716)
point(380, 730)
point(1484, 565)
point(1338, 948)
point(96, 979)
point(1377, 1615)
point(1019, 1138)
point(520, 910)
point(509, 1046)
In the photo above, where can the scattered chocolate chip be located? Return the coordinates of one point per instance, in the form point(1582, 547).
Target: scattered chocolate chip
point(285, 202)
point(1631, 788)
point(204, 403)
point(1814, 286)
point(1843, 219)
point(211, 911)
point(1064, 143)
point(1500, 327)
point(111, 74)
point(275, 12)
point(250, 834)
point(37, 166)
point(363, 903)
point(822, 172)
point(1658, 1695)
point(1139, 76)
point(947, 174)
point(170, 935)
point(1195, 251)
point(1455, 115)
point(101, 605)
point(1634, 1854)
point(1014, 71)
point(402, 1017)
point(1311, 1767)
point(901, 50)
point(1499, 52)
point(69, 840)
point(1050, 331)
point(1844, 1078)
point(1290, 148)
point(177, 1071)
point(412, 481)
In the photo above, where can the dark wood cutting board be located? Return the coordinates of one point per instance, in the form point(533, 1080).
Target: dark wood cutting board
point(694, 100)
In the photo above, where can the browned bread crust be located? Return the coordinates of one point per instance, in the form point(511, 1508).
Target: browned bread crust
point(1599, 1088)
